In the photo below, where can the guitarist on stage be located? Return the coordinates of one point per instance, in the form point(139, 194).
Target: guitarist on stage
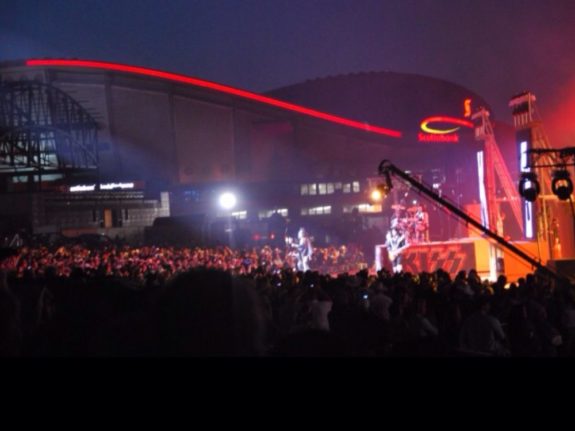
point(395, 243)
point(303, 249)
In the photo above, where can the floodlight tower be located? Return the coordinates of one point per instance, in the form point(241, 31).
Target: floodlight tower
point(532, 142)
point(491, 166)
point(494, 166)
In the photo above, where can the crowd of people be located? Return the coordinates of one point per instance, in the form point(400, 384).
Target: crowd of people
point(152, 301)
point(140, 263)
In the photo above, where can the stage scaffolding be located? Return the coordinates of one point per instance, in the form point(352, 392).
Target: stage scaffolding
point(44, 131)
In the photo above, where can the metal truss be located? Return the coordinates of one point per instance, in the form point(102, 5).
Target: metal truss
point(551, 158)
point(43, 129)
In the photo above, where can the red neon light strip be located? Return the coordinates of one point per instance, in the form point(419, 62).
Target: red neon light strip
point(218, 87)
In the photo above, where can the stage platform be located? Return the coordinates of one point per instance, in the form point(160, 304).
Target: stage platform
point(461, 254)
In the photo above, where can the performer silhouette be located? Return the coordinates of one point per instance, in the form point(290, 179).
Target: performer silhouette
point(304, 250)
point(395, 242)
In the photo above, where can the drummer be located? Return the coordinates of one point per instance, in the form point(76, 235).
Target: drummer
point(421, 217)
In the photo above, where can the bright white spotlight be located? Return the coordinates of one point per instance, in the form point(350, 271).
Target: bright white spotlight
point(228, 200)
point(376, 195)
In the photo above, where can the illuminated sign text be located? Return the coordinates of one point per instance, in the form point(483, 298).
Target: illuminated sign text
point(111, 186)
point(467, 108)
point(83, 188)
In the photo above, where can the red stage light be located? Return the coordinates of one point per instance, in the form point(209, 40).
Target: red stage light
point(217, 87)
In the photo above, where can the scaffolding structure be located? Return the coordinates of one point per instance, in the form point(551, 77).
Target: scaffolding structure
point(495, 169)
point(536, 155)
point(43, 130)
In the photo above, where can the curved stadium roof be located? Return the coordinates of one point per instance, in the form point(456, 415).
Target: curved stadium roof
point(398, 99)
point(215, 87)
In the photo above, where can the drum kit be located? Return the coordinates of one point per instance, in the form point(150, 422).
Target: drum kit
point(409, 222)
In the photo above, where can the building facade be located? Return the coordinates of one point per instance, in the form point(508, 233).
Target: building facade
point(307, 152)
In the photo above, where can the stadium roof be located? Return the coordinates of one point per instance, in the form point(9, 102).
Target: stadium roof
point(174, 77)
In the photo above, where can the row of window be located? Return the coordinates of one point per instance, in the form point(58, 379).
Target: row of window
point(316, 210)
point(310, 189)
point(268, 213)
point(240, 215)
point(319, 210)
point(329, 188)
point(45, 176)
point(362, 208)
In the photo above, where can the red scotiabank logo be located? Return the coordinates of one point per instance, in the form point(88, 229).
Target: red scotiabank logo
point(428, 137)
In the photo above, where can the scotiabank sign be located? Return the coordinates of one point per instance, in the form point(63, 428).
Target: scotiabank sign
point(441, 129)
point(429, 137)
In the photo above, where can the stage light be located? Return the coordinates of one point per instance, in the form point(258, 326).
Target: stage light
point(228, 200)
point(379, 192)
point(529, 186)
point(561, 184)
point(376, 194)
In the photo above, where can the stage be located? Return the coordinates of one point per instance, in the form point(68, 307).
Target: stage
point(462, 254)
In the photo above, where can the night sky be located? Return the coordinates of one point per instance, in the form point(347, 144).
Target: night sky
point(496, 48)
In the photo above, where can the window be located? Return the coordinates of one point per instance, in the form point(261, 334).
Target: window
point(369, 208)
point(356, 186)
point(316, 210)
point(346, 188)
point(240, 215)
point(319, 188)
point(362, 208)
point(268, 213)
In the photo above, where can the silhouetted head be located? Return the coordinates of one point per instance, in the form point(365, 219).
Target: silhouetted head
point(210, 313)
point(484, 304)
